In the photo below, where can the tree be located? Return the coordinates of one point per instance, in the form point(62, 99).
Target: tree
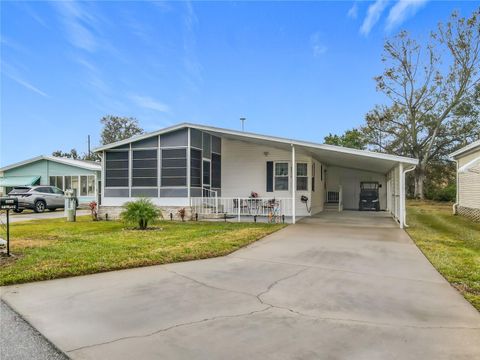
point(432, 89)
point(354, 139)
point(116, 128)
point(73, 154)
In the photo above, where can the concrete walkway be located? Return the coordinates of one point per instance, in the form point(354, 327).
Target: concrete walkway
point(338, 286)
point(28, 215)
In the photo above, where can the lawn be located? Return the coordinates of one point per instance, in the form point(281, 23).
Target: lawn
point(50, 249)
point(451, 243)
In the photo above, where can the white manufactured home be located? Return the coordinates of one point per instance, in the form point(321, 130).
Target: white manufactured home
point(213, 171)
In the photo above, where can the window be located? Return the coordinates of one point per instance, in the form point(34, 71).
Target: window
point(68, 182)
point(116, 169)
point(83, 185)
point(144, 168)
point(53, 181)
point(174, 167)
point(91, 185)
point(59, 182)
point(313, 176)
point(195, 168)
point(56, 190)
point(281, 176)
point(75, 187)
point(216, 171)
point(302, 176)
point(206, 172)
point(45, 190)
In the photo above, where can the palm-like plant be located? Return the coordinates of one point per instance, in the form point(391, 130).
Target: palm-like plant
point(140, 212)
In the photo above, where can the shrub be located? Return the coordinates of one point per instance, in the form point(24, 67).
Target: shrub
point(140, 212)
point(446, 193)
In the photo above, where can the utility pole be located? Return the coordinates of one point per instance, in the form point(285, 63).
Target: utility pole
point(242, 119)
point(89, 153)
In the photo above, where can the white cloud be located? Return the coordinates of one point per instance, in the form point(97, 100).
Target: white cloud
point(318, 48)
point(353, 11)
point(79, 24)
point(27, 85)
point(373, 15)
point(149, 103)
point(401, 10)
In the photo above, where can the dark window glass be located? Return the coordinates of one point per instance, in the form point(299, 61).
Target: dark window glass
point(174, 153)
point(117, 155)
point(174, 167)
point(216, 171)
point(169, 163)
point(116, 171)
point(144, 154)
point(174, 181)
point(195, 168)
point(206, 145)
point(174, 138)
point(196, 138)
point(144, 173)
point(147, 181)
point(112, 182)
point(52, 180)
point(145, 164)
point(216, 145)
point(206, 172)
point(302, 179)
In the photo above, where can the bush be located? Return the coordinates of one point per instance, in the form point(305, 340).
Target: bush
point(447, 193)
point(140, 212)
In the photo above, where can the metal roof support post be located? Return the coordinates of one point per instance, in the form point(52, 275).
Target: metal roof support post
point(294, 185)
point(401, 174)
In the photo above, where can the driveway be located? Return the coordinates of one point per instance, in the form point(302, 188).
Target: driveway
point(27, 215)
point(337, 286)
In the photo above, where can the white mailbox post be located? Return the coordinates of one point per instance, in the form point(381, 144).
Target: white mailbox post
point(70, 205)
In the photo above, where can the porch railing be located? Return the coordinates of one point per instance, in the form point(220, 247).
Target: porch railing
point(333, 196)
point(238, 207)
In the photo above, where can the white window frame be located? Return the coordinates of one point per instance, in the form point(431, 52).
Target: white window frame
point(275, 176)
point(302, 176)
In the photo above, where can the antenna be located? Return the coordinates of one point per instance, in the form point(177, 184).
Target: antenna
point(242, 119)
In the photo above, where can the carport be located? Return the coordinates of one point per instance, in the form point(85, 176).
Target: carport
point(346, 168)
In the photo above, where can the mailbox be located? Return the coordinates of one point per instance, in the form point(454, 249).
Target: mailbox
point(8, 203)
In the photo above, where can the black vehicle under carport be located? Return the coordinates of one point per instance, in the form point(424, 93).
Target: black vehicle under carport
point(369, 196)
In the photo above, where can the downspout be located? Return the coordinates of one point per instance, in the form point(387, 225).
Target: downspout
point(457, 197)
point(404, 207)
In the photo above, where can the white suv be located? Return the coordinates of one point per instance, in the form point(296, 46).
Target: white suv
point(38, 198)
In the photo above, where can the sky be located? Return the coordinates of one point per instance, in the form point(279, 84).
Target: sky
point(293, 69)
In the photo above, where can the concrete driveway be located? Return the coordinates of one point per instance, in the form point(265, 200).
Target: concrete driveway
point(337, 286)
point(28, 215)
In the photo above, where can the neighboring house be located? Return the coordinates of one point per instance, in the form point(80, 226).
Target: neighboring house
point(81, 176)
point(468, 180)
point(213, 171)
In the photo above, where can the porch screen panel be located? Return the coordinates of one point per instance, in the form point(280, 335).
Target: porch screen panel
point(216, 171)
point(195, 168)
point(116, 169)
point(174, 167)
point(144, 168)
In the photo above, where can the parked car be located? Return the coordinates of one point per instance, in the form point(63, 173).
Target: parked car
point(39, 198)
point(369, 196)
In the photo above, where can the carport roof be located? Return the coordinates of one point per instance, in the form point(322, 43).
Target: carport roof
point(84, 164)
point(328, 154)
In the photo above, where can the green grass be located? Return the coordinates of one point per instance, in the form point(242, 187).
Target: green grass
point(50, 249)
point(451, 243)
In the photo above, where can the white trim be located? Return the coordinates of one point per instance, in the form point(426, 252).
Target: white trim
point(66, 161)
point(247, 135)
point(465, 149)
point(294, 184)
point(402, 195)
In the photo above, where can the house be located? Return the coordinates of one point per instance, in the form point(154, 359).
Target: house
point(64, 173)
point(468, 180)
point(213, 171)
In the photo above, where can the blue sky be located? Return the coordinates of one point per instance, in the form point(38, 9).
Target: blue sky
point(293, 69)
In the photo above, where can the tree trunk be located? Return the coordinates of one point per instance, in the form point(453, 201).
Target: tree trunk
point(419, 181)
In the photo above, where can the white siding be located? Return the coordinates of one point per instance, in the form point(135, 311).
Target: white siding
point(350, 180)
point(244, 170)
point(469, 189)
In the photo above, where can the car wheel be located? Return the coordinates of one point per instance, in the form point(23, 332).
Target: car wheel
point(18, 211)
point(40, 206)
point(52, 209)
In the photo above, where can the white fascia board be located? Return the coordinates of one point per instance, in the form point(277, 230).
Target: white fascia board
point(465, 149)
point(249, 135)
